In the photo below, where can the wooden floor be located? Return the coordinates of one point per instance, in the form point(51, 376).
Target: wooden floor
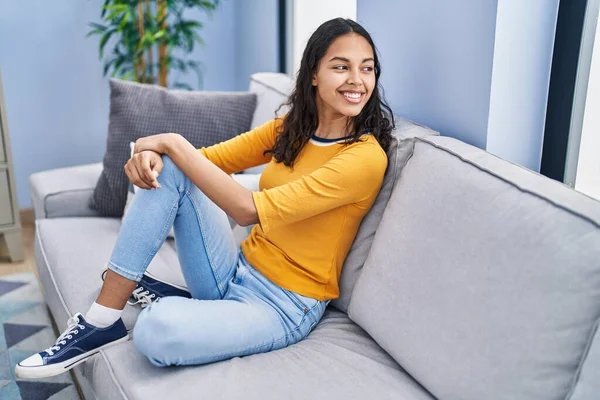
point(27, 265)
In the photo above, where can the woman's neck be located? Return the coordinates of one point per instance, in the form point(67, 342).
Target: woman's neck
point(333, 127)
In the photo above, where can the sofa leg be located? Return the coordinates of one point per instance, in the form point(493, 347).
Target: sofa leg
point(14, 243)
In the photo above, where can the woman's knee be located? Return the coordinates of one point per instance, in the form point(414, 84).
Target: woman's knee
point(151, 335)
point(169, 165)
point(172, 173)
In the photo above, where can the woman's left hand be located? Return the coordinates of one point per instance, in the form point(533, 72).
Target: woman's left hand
point(159, 143)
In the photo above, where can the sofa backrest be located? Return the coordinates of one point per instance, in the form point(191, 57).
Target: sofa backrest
point(398, 154)
point(483, 280)
point(272, 89)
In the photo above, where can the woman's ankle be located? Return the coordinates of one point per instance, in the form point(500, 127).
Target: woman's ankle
point(115, 291)
point(101, 316)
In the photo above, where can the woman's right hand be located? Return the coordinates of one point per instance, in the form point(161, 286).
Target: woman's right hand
point(143, 169)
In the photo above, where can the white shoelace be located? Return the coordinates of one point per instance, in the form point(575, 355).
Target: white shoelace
point(142, 297)
point(72, 325)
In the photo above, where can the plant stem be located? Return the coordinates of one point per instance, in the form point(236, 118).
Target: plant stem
point(150, 55)
point(140, 58)
point(162, 46)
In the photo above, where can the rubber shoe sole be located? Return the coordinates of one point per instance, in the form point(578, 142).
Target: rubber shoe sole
point(46, 371)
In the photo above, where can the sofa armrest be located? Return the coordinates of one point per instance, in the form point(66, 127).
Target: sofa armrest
point(64, 192)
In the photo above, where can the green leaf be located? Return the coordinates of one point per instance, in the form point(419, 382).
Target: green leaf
point(173, 41)
point(144, 40)
point(129, 75)
point(125, 69)
point(120, 8)
point(117, 11)
point(118, 63)
point(126, 18)
point(198, 39)
point(178, 64)
point(113, 15)
point(188, 44)
point(161, 20)
point(191, 24)
point(159, 34)
point(104, 40)
point(98, 26)
point(179, 85)
point(206, 5)
point(110, 63)
point(106, 2)
point(93, 32)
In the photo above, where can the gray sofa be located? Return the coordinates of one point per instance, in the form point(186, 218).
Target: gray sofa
point(482, 283)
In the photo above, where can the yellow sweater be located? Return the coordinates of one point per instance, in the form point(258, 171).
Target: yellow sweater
point(309, 214)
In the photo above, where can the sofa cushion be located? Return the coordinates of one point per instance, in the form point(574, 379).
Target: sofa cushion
point(398, 154)
point(483, 280)
point(336, 361)
point(138, 110)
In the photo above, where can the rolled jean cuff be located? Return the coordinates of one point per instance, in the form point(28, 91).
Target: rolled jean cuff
point(124, 273)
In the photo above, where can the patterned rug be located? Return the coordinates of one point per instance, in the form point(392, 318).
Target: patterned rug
point(25, 328)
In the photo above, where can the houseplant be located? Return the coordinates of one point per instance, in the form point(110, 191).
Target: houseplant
point(143, 35)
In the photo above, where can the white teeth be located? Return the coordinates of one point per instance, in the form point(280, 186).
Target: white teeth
point(352, 95)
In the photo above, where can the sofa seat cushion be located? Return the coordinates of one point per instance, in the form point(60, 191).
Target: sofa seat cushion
point(337, 360)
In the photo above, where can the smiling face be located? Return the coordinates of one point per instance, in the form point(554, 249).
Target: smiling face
point(345, 77)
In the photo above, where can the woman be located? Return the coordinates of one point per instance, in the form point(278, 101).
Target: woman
point(326, 160)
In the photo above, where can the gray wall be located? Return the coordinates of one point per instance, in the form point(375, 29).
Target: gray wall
point(476, 70)
point(56, 97)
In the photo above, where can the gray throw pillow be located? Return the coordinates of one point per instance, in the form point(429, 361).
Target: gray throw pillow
point(138, 110)
point(399, 153)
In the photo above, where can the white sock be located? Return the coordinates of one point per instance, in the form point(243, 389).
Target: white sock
point(101, 316)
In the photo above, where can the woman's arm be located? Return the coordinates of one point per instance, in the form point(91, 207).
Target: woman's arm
point(217, 185)
point(245, 150)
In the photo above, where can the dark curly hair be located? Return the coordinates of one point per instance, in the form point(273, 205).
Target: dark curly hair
point(302, 119)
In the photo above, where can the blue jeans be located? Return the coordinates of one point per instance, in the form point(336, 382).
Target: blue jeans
point(235, 310)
